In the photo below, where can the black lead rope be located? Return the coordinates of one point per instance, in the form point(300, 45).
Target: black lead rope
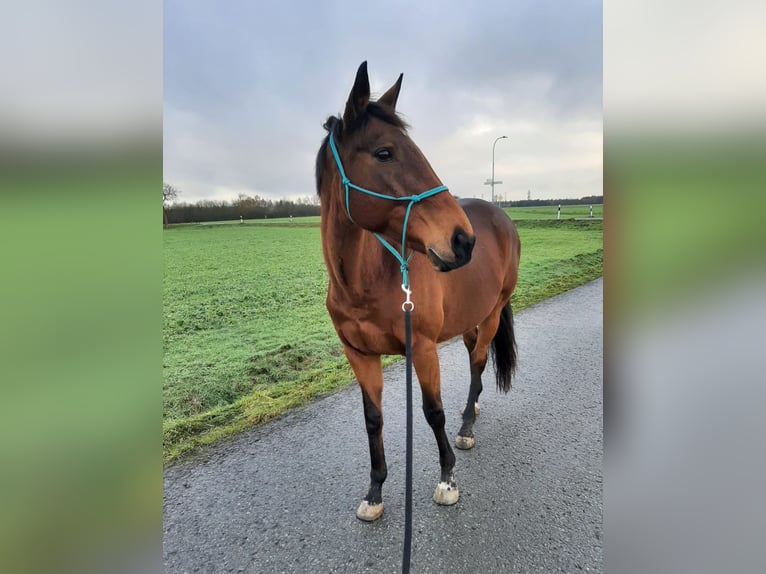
point(408, 463)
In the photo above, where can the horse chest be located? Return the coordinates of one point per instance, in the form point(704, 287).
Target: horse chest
point(369, 337)
point(363, 329)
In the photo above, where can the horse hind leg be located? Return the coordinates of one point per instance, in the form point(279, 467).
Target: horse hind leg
point(477, 342)
point(469, 339)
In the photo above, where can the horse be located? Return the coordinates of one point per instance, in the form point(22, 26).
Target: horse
point(463, 268)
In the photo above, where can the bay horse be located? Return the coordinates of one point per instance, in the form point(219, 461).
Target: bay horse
point(463, 269)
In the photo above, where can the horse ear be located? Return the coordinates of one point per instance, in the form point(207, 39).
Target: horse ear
point(359, 97)
point(390, 97)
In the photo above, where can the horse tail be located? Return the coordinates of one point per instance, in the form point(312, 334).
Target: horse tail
point(504, 350)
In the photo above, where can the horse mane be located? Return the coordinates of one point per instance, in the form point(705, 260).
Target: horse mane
point(335, 126)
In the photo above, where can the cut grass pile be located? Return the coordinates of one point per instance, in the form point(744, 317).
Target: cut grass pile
point(246, 334)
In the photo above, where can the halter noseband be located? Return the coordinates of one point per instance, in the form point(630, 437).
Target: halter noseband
point(413, 199)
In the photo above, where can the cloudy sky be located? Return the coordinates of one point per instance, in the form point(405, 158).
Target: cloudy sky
point(248, 84)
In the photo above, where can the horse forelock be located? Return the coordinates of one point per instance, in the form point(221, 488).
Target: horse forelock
point(384, 113)
point(336, 126)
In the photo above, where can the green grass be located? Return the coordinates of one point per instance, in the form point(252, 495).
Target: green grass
point(243, 309)
point(556, 256)
point(246, 334)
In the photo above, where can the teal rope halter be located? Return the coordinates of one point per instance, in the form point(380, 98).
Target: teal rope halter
point(413, 199)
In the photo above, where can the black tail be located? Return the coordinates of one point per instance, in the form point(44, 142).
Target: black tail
point(504, 350)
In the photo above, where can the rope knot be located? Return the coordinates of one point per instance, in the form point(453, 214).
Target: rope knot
point(346, 181)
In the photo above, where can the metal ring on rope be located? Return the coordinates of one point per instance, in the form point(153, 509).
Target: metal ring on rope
point(408, 305)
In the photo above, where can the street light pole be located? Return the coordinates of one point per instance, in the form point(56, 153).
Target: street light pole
point(493, 167)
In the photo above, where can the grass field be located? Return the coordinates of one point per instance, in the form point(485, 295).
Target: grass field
point(550, 212)
point(244, 309)
point(246, 334)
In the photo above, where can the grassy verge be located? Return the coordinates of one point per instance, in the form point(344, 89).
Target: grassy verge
point(246, 334)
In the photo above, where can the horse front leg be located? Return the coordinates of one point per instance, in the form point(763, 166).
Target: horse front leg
point(369, 373)
point(426, 362)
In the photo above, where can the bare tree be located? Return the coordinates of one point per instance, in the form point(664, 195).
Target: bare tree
point(169, 193)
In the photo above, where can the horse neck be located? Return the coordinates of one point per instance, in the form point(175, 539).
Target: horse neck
point(352, 254)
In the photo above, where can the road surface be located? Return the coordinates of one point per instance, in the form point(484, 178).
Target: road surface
point(282, 497)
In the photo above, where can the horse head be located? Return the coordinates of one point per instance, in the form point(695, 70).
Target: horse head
point(384, 169)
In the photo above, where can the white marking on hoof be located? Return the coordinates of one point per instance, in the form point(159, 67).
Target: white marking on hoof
point(369, 512)
point(476, 409)
point(464, 442)
point(446, 493)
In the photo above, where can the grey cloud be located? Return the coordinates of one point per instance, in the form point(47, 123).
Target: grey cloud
point(247, 85)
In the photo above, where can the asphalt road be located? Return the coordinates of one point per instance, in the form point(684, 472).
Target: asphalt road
point(282, 497)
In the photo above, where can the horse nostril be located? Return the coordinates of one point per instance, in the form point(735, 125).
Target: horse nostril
point(462, 246)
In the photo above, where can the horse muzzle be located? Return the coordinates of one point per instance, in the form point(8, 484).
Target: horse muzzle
point(462, 248)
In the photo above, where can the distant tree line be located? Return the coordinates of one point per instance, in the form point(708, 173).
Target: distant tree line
point(257, 207)
point(244, 206)
point(588, 200)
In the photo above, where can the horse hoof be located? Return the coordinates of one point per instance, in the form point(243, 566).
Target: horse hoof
point(369, 512)
point(446, 493)
point(476, 409)
point(464, 442)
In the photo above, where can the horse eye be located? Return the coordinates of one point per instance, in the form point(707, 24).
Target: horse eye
point(383, 154)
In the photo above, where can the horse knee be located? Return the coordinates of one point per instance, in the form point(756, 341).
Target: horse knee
point(373, 422)
point(434, 415)
point(373, 418)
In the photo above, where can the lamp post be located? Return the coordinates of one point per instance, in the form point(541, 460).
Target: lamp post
point(492, 181)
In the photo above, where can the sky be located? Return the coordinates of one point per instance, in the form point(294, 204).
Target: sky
point(247, 86)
